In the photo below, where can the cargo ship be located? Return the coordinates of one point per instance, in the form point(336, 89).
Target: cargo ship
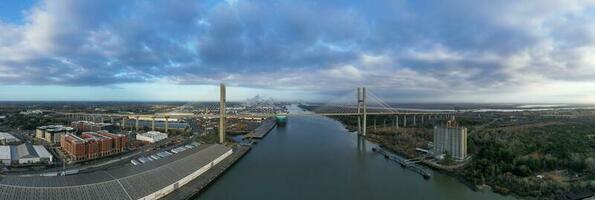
point(281, 119)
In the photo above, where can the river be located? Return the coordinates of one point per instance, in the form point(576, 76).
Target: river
point(314, 157)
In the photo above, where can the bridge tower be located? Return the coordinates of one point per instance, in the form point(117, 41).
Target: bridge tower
point(222, 113)
point(166, 124)
point(359, 110)
point(365, 114)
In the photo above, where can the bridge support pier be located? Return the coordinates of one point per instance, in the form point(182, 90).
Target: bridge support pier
point(153, 123)
point(123, 123)
point(404, 121)
point(374, 123)
point(136, 124)
point(397, 121)
point(166, 124)
point(359, 117)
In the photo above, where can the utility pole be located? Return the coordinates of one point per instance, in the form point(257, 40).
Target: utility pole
point(222, 113)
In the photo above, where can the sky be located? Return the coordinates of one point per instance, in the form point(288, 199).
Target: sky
point(533, 51)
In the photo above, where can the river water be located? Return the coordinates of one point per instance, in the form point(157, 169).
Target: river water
point(314, 157)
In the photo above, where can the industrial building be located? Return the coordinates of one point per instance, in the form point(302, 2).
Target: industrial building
point(52, 133)
point(92, 145)
point(24, 154)
point(83, 126)
point(151, 136)
point(7, 138)
point(450, 139)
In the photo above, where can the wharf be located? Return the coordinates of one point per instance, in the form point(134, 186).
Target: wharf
point(425, 172)
point(192, 189)
point(262, 130)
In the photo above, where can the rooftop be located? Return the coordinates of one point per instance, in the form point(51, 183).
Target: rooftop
point(123, 182)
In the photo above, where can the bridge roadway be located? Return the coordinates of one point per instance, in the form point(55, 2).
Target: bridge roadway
point(266, 115)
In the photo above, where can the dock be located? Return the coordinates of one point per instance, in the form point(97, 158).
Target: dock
point(425, 172)
point(195, 187)
point(262, 130)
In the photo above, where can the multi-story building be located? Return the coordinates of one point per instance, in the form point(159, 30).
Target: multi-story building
point(151, 136)
point(52, 133)
point(91, 145)
point(450, 139)
point(83, 126)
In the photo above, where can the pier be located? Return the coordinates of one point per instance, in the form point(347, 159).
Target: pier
point(262, 130)
point(425, 172)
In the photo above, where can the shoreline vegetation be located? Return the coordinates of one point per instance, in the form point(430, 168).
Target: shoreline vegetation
point(543, 155)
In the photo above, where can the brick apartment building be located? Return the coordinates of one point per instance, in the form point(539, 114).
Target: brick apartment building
point(92, 145)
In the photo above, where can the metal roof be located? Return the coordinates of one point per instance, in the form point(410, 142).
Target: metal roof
point(4, 153)
point(123, 182)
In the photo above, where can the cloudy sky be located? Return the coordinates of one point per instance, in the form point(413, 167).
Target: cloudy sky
point(403, 50)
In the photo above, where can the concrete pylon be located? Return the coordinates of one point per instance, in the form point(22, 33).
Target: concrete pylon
point(222, 116)
point(123, 123)
point(359, 117)
point(153, 123)
point(404, 121)
point(166, 124)
point(414, 120)
point(365, 111)
point(397, 121)
point(136, 124)
point(374, 123)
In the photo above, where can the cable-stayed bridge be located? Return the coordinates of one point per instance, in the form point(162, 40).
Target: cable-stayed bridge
point(366, 104)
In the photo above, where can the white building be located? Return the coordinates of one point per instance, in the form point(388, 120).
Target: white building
point(7, 138)
point(151, 136)
point(24, 154)
point(31, 112)
point(5, 157)
point(452, 140)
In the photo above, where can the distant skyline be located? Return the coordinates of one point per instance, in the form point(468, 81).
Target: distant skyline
point(405, 50)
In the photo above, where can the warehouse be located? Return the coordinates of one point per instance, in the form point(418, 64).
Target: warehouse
point(151, 136)
point(7, 138)
point(150, 181)
point(24, 154)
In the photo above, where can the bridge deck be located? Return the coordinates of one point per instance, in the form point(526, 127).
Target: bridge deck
point(253, 115)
